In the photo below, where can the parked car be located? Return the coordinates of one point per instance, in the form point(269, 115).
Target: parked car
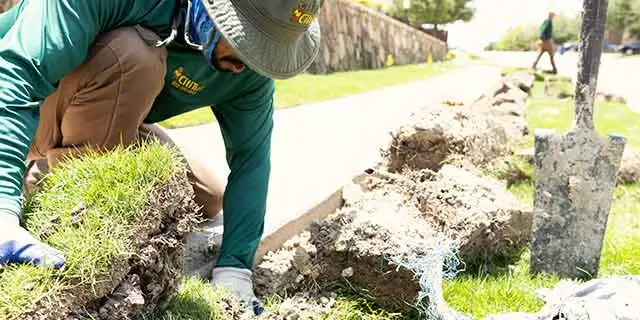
point(573, 46)
point(632, 47)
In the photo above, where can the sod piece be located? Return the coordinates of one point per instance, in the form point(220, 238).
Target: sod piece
point(119, 218)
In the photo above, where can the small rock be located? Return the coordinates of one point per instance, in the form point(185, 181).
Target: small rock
point(324, 301)
point(347, 273)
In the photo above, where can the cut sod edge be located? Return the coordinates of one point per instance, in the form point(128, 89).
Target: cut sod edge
point(88, 298)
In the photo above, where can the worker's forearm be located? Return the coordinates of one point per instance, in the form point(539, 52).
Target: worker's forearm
point(17, 127)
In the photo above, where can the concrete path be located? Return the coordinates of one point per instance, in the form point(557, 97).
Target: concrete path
point(319, 147)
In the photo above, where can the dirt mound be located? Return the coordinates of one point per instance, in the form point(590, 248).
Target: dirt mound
point(479, 132)
point(434, 134)
point(143, 282)
point(477, 212)
point(395, 233)
point(367, 244)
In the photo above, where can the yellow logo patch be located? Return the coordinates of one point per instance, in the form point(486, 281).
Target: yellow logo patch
point(301, 16)
point(184, 83)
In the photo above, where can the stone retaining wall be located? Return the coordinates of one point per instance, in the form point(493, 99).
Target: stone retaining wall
point(355, 37)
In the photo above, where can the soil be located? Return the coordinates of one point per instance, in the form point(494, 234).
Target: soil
point(393, 236)
point(436, 133)
point(476, 211)
point(144, 281)
point(202, 247)
point(364, 245)
point(479, 132)
point(508, 170)
point(629, 167)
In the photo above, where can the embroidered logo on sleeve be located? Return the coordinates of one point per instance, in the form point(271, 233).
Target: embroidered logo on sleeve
point(183, 83)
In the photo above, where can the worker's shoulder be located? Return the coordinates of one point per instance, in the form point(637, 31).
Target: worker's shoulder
point(251, 85)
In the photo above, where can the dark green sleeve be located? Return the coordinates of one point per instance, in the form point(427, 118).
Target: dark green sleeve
point(47, 39)
point(8, 18)
point(246, 126)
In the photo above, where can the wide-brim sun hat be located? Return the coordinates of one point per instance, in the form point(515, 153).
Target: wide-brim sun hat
point(278, 39)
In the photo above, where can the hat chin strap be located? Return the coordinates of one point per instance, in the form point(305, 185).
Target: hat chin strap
point(174, 26)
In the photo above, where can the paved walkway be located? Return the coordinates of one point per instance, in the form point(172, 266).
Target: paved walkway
point(319, 147)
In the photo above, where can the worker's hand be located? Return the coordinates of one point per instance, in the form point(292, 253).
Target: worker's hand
point(238, 282)
point(17, 245)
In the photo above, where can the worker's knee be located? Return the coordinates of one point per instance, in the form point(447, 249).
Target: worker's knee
point(113, 91)
point(131, 50)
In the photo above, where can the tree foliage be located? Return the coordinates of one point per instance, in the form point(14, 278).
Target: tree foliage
point(566, 28)
point(624, 15)
point(436, 12)
point(524, 37)
point(520, 38)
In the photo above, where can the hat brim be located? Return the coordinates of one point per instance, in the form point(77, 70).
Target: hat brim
point(274, 59)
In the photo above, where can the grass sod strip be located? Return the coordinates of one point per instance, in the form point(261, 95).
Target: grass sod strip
point(118, 217)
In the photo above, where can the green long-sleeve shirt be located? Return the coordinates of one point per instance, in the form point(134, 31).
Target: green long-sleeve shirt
point(42, 40)
point(546, 29)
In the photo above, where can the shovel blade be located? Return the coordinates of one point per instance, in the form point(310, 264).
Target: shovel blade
point(575, 180)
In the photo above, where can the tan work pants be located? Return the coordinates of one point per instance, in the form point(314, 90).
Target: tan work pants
point(103, 103)
point(550, 48)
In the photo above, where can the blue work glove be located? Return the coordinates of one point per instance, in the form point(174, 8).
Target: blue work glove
point(17, 245)
point(238, 282)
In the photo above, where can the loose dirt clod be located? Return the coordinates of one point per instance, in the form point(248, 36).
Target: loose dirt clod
point(629, 167)
point(559, 87)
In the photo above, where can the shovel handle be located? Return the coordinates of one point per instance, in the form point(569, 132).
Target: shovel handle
point(594, 18)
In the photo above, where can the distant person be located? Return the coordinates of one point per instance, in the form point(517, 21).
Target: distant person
point(545, 42)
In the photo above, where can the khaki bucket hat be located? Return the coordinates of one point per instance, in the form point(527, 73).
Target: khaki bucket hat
point(277, 38)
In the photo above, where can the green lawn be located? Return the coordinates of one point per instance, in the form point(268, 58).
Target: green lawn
point(307, 88)
point(511, 290)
